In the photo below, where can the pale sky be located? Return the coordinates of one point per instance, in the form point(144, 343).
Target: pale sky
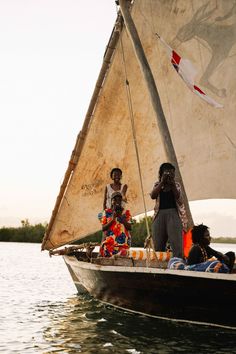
point(50, 56)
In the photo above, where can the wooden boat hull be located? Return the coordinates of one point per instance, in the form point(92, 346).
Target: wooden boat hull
point(174, 294)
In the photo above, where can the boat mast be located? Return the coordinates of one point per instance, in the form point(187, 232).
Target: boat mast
point(155, 98)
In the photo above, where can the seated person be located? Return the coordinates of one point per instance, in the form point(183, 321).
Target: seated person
point(200, 255)
point(201, 252)
point(116, 186)
point(116, 224)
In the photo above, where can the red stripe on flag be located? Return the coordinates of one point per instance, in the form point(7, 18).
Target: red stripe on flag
point(175, 58)
point(198, 89)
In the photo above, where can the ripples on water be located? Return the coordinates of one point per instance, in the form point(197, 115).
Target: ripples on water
point(41, 313)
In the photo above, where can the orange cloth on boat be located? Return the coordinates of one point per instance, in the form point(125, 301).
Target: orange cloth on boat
point(142, 254)
point(187, 242)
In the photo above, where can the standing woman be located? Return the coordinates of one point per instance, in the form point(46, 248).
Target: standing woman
point(116, 186)
point(169, 212)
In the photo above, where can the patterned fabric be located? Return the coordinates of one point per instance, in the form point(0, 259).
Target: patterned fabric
point(143, 254)
point(209, 266)
point(117, 238)
point(179, 203)
point(176, 263)
point(212, 266)
point(199, 254)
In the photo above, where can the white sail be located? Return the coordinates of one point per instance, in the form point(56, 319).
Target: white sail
point(204, 138)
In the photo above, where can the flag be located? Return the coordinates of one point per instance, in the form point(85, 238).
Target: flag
point(187, 72)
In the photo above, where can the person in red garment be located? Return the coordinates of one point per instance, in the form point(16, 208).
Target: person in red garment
point(116, 226)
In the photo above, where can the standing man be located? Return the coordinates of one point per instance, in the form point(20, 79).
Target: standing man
point(169, 219)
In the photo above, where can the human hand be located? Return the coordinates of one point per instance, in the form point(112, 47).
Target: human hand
point(165, 177)
point(171, 182)
point(225, 259)
point(122, 218)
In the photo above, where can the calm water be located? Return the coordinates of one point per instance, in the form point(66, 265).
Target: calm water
point(40, 312)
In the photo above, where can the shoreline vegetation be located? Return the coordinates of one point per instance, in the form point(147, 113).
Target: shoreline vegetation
point(34, 234)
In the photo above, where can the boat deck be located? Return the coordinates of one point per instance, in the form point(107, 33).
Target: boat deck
point(130, 262)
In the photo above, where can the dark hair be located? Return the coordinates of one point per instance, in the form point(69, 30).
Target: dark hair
point(116, 169)
point(116, 194)
point(198, 233)
point(165, 166)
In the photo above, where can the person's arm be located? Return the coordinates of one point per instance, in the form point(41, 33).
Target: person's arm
point(123, 220)
point(156, 189)
point(105, 199)
point(126, 224)
point(123, 192)
point(109, 223)
point(174, 189)
point(195, 255)
point(220, 256)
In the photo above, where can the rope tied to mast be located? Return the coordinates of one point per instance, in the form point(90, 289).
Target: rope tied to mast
point(148, 244)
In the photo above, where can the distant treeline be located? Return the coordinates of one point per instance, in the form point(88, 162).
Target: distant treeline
point(223, 240)
point(25, 233)
point(34, 233)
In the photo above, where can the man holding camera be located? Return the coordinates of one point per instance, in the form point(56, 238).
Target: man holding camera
point(116, 224)
point(169, 212)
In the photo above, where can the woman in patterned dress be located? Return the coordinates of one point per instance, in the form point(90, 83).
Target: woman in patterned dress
point(116, 224)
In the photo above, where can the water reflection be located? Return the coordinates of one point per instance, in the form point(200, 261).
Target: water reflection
point(84, 325)
point(41, 313)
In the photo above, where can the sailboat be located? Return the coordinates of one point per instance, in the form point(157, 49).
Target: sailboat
point(140, 115)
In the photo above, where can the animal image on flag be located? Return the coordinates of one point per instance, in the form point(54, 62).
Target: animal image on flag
point(187, 72)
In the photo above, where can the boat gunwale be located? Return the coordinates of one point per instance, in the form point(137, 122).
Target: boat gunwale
point(148, 270)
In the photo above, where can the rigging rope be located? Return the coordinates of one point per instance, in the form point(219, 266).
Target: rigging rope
point(131, 114)
point(148, 244)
